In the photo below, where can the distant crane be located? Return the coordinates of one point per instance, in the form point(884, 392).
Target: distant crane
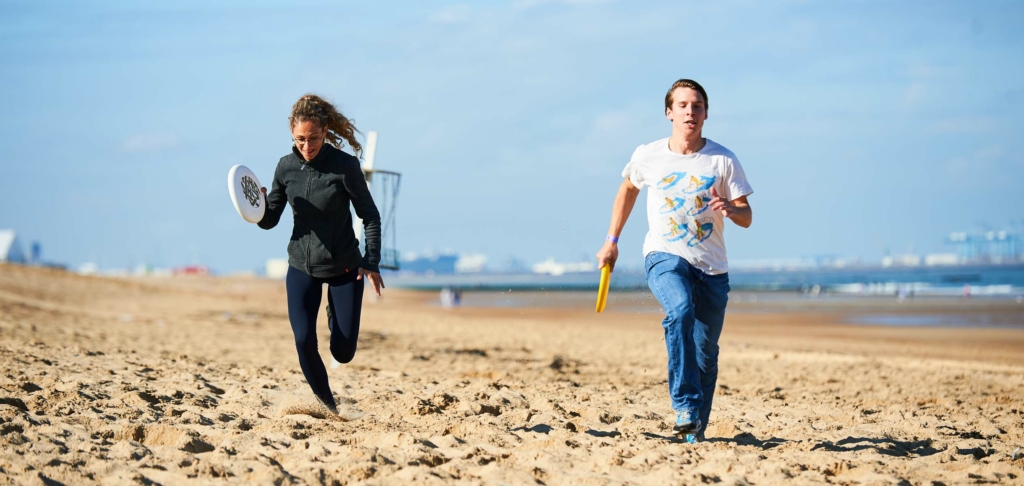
point(1003, 246)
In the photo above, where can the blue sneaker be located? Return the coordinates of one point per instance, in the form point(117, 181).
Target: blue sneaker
point(686, 423)
point(694, 438)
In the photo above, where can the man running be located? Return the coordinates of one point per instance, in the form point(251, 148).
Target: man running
point(694, 184)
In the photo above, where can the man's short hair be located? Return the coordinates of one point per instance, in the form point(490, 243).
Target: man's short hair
point(685, 83)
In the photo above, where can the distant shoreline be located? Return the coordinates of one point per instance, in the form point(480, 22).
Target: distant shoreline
point(872, 310)
point(1004, 279)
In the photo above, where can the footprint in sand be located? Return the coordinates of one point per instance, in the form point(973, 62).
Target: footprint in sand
point(317, 410)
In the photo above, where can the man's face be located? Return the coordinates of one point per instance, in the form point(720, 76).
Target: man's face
point(687, 112)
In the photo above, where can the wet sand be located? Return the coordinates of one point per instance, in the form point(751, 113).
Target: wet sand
point(124, 381)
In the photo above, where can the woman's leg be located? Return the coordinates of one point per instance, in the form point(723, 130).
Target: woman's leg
point(304, 295)
point(345, 296)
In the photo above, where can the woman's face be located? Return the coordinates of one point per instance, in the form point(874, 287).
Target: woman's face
point(308, 138)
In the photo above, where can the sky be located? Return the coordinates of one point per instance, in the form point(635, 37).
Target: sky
point(864, 127)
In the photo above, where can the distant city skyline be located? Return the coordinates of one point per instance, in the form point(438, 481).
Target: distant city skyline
point(863, 127)
point(978, 246)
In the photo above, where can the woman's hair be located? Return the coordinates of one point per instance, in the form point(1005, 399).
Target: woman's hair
point(313, 108)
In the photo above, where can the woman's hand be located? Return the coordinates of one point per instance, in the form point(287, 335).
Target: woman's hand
point(374, 277)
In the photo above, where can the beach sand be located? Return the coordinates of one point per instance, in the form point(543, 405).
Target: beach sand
point(144, 381)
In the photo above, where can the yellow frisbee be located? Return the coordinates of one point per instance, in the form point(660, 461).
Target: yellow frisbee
point(602, 290)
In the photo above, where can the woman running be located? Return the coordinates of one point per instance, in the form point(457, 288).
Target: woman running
point(319, 181)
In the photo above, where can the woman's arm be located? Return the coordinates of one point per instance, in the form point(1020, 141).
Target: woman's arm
point(362, 202)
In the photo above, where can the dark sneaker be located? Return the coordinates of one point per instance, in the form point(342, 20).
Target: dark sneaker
point(330, 406)
point(687, 423)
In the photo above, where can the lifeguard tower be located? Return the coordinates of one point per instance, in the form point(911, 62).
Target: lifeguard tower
point(384, 185)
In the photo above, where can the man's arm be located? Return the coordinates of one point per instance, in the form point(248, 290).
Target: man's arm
point(623, 205)
point(738, 210)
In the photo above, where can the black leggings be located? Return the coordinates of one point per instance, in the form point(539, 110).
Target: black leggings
point(345, 296)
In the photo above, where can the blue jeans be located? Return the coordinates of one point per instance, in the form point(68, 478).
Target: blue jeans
point(694, 304)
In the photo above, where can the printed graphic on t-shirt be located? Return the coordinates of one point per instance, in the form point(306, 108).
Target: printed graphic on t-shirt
point(670, 180)
point(676, 229)
point(702, 229)
point(671, 205)
point(697, 183)
point(680, 219)
point(683, 203)
point(700, 204)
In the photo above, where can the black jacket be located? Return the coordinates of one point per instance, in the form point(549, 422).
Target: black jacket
point(323, 243)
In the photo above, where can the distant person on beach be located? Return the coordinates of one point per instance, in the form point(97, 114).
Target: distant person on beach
point(320, 181)
point(694, 184)
point(450, 297)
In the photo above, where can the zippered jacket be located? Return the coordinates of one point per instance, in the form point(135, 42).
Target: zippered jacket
point(323, 243)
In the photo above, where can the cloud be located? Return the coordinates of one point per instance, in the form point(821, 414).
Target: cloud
point(454, 14)
point(595, 144)
point(914, 96)
point(921, 75)
point(967, 124)
point(990, 153)
point(465, 13)
point(525, 4)
point(153, 142)
point(982, 160)
point(919, 70)
point(613, 121)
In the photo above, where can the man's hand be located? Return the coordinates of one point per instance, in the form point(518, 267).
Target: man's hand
point(720, 204)
point(374, 277)
point(738, 211)
point(607, 256)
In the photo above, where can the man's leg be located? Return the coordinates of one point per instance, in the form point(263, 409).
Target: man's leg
point(345, 297)
point(710, 296)
point(304, 293)
point(668, 277)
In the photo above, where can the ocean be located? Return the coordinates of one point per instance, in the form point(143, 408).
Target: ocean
point(996, 281)
point(900, 297)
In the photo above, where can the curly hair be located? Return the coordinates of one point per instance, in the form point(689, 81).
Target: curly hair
point(313, 108)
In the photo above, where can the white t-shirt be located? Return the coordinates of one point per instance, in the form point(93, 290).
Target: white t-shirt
point(678, 217)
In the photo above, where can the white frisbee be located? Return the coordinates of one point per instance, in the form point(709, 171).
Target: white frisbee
point(245, 192)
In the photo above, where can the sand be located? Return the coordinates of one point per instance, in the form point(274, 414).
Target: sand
point(177, 380)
